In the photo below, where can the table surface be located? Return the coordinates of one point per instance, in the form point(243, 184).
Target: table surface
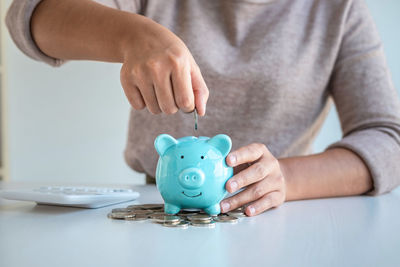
point(351, 231)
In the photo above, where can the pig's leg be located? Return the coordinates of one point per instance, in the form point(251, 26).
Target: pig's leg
point(213, 210)
point(171, 209)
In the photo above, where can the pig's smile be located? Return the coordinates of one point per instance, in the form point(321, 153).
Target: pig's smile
point(199, 194)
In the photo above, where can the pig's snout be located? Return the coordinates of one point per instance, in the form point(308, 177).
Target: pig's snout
point(191, 178)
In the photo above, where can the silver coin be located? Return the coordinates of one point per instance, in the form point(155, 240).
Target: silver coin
point(157, 219)
point(200, 217)
point(207, 225)
point(152, 206)
point(139, 206)
point(120, 210)
point(181, 224)
point(136, 206)
point(142, 212)
point(236, 213)
point(139, 217)
point(186, 216)
point(166, 219)
point(158, 213)
point(120, 215)
point(204, 222)
point(196, 119)
point(172, 218)
point(226, 219)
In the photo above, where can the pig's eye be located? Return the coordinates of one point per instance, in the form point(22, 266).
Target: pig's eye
point(182, 157)
point(202, 157)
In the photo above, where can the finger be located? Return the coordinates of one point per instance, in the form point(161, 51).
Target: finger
point(200, 91)
point(164, 94)
point(182, 88)
point(268, 201)
point(250, 194)
point(150, 99)
point(245, 154)
point(133, 95)
point(250, 175)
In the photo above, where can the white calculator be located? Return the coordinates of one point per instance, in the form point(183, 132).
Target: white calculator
point(83, 197)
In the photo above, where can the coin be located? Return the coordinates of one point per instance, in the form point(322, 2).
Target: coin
point(185, 217)
point(120, 215)
point(152, 206)
point(166, 219)
point(200, 217)
point(236, 213)
point(120, 210)
point(158, 213)
point(203, 224)
point(139, 217)
point(142, 212)
point(181, 224)
point(172, 218)
point(196, 119)
point(134, 207)
point(226, 219)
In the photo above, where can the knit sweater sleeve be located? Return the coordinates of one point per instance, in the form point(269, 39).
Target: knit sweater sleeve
point(366, 100)
point(18, 20)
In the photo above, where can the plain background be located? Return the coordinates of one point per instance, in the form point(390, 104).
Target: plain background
point(69, 124)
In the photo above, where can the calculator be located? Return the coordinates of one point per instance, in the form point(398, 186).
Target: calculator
point(82, 197)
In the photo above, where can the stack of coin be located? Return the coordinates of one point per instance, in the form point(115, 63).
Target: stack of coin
point(239, 212)
point(202, 220)
point(186, 217)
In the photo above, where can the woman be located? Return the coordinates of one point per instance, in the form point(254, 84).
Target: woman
point(264, 69)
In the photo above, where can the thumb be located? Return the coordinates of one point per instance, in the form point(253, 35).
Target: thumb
point(200, 90)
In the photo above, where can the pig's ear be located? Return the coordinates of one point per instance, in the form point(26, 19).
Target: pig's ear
point(163, 142)
point(222, 142)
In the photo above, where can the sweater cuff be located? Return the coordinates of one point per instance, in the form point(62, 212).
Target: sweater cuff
point(380, 151)
point(18, 23)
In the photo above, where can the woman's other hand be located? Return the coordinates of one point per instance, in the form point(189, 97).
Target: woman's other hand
point(260, 176)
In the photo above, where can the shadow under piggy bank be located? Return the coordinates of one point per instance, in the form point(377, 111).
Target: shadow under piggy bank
point(192, 172)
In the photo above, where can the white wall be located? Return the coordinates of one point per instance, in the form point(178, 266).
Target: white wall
point(66, 124)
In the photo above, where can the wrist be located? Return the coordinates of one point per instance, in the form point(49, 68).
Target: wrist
point(284, 165)
point(131, 36)
point(141, 34)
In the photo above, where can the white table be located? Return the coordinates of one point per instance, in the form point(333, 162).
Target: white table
point(353, 231)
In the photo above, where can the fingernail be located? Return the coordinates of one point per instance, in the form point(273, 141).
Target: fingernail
point(232, 159)
point(252, 210)
point(234, 186)
point(225, 206)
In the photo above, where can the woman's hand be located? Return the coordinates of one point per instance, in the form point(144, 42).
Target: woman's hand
point(160, 73)
point(261, 176)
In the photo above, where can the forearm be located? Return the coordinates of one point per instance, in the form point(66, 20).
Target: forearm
point(83, 29)
point(335, 172)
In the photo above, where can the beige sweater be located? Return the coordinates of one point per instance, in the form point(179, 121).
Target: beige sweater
point(272, 67)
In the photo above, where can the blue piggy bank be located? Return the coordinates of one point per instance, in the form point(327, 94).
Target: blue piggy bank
point(191, 172)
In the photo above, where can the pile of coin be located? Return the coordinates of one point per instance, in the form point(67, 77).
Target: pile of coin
point(184, 219)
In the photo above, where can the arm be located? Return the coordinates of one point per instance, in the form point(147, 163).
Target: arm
point(81, 29)
point(158, 70)
point(269, 182)
point(335, 172)
point(367, 158)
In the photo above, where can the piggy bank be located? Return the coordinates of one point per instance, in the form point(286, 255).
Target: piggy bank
point(191, 172)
